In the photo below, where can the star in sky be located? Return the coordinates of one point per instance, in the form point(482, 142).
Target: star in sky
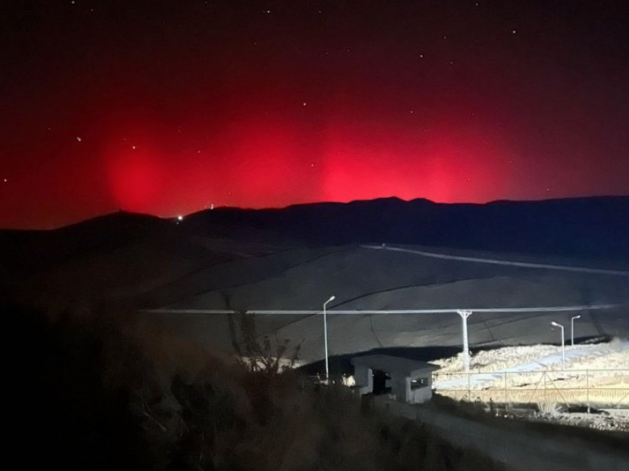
point(176, 102)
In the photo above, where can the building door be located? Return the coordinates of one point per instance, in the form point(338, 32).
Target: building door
point(380, 382)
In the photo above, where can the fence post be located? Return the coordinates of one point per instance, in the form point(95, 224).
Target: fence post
point(545, 396)
point(587, 388)
point(469, 388)
point(506, 408)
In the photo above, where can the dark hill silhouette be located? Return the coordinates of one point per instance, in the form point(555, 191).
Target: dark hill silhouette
point(37, 249)
point(583, 228)
point(595, 227)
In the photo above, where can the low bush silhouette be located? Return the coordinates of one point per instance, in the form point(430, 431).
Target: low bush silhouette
point(98, 395)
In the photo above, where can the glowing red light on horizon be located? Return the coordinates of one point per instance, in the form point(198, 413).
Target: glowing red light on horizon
point(135, 176)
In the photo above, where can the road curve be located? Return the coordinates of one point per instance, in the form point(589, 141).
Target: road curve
point(494, 261)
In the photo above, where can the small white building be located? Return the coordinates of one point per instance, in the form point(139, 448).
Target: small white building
point(409, 380)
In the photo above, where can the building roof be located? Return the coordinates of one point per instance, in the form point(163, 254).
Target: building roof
point(392, 364)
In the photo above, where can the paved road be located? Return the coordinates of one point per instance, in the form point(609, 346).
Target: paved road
point(494, 261)
point(513, 444)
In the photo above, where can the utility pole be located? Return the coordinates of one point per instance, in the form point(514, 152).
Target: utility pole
point(563, 345)
point(325, 338)
point(572, 329)
point(466, 352)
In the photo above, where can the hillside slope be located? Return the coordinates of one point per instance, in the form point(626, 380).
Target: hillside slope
point(295, 258)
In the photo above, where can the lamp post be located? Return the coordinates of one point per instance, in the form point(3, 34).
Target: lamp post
point(466, 352)
point(325, 337)
point(572, 328)
point(563, 345)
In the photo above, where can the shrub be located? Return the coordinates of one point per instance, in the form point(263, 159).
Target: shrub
point(260, 355)
point(101, 398)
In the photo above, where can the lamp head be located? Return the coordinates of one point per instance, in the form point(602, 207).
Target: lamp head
point(332, 298)
point(555, 324)
point(577, 317)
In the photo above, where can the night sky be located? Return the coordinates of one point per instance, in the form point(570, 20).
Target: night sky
point(169, 107)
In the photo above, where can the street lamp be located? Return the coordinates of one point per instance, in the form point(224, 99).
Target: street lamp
point(572, 328)
point(325, 337)
point(563, 346)
point(466, 353)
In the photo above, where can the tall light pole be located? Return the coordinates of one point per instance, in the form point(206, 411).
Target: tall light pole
point(572, 328)
point(325, 336)
point(466, 352)
point(563, 345)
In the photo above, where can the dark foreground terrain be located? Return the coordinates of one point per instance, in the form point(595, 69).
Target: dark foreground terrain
point(93, 394)
point(107, 372)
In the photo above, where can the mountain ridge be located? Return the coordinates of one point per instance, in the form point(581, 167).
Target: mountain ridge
point(582, 228)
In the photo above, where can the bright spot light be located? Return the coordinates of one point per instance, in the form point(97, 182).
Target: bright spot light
point(179, 218)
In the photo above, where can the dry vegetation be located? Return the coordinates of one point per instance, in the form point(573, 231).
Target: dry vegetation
point(93, 395)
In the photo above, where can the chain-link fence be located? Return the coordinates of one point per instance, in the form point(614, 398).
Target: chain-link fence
point(590, 388)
